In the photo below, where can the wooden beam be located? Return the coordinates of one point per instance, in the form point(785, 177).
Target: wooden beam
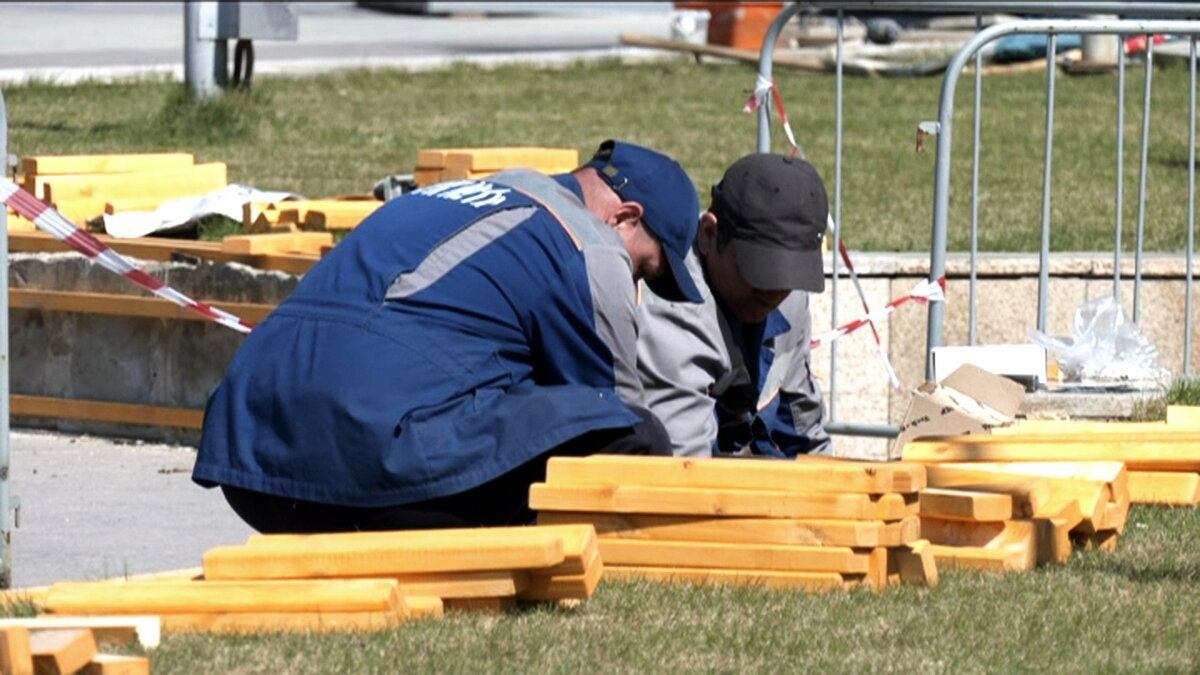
point(553, 587)
point(734, 556)
point(15, 655)
point(297, 622)
point(282, 242)
point(104, 411)
point(163, 597)
point(1143, 451)
point(61, 650)
point(114, 304)
point(477, 584)
point(809, 581)
point(1183, 416)
point(914, 563)
point(853, 533)
point(730, 473)
point(953, 504)
point(118, 163)
point(1164, 487)
point(146, 630)
point(714, 502)
point(117, 664)
point(313, 559)
point(167, 184)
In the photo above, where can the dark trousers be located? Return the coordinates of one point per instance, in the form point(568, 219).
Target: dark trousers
point(501, 501)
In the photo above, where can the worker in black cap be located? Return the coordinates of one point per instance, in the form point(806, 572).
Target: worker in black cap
point(732, 375)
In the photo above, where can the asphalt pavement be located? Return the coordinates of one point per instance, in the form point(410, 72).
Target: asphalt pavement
point(93, 508)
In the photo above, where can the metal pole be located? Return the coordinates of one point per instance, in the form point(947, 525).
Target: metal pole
point(1141, 214)
point(1120, 171)
point(204, 58)
point(1191, 211)
point(765, 57)
point(971, 301)
point(1045, 7)
point(837, 218)
point(1048, 157)
point(5, 500)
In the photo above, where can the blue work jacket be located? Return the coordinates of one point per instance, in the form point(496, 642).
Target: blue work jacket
point(458, 332)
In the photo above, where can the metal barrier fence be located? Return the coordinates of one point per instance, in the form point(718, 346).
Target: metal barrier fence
point(5, 524)
point(1155, 18)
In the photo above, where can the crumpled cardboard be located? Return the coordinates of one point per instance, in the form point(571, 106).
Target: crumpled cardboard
point(970, 400)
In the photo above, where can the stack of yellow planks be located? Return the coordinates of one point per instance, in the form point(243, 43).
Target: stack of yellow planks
point(82, 187)
point(443, 164)
point(1169, 484)
point(1000, 516)
point(29, 646)
point(361, 580)
point(308, 214)
point(817, 524)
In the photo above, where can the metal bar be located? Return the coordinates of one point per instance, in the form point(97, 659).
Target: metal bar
point(837, 217)
point(766, 57)
point(5, 454)
point(1120, 171)
point(1145, 152)
point(971, 301)
point(858, 429)
point(1047, 183)
point(941, 195)
point(1191, 211)
point(1141, 9)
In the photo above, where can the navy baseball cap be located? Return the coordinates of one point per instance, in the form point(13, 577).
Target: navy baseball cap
point(669, 202)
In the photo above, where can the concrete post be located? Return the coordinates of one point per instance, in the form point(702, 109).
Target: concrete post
point(1100, 50)
point(204, 57)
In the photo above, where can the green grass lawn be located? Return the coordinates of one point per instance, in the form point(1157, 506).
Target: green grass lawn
point(339, 133)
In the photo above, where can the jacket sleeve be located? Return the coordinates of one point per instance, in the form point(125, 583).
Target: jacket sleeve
point(792, 413)
point(680, 356)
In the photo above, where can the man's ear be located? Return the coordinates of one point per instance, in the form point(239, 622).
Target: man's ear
point(628, 213)
point(707, 236)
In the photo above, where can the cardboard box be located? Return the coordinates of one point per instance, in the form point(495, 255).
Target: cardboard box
point(1024, 363)
point(970, 400)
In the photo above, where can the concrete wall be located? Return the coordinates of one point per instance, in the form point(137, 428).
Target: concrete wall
point(176, 363)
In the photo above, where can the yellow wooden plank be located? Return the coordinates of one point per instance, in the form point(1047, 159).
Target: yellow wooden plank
point(15, 655)
point(956, 504)
point(17, 223)
point(190, 181)
point(1082, 427)
point(809, 581)
point(119, 163)
point(1183, 416)
point(266, 621)
point(706, 502)
point(114, 304)
point(578, 540)
point(854, 533)
point(734, 556)
point(478, 584)
point(913, 563)
point(424, 607)
point(1164, 487)
point(553, 587)
point(1052, 540)
point(983, 534)
point(125, 413)
point(145, 630)
point(423, 177)
point(1064, 508)
point(336, 215)
point(1092, 495)
point(282, 242)
point(1111, 473)
point(166, 596)
point(117, 664)
point(479, 159)
point(61, 650)
point(982, 559)
point(733, 473)
point(321, 559)
point(81, 211)
point(1149, 451)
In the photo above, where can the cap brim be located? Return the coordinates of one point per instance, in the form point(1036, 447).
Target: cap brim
point(775, 268)
point(678, 285)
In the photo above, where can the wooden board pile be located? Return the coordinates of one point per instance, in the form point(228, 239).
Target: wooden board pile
point(998, 516)
point(84, 187)
point(816, 524)
point(73, 645)
point(1168, 483)
point(319, 215)
point(354, 581)
point(436, 165)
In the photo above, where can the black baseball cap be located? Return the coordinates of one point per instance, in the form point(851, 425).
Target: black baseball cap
point(671, 208)
point(776, 209)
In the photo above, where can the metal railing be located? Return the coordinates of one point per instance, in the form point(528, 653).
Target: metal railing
point(5, 501)
point(1156, 17)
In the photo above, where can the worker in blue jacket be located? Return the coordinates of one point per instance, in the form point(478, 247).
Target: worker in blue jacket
point(421, 373)
point(732, 375)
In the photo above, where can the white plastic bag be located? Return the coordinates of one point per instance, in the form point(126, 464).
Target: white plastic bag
point(1104, 347)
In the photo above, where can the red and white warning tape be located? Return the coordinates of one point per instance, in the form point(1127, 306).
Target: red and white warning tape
point(51, 221)
point(922, 292)
point(762, 89)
